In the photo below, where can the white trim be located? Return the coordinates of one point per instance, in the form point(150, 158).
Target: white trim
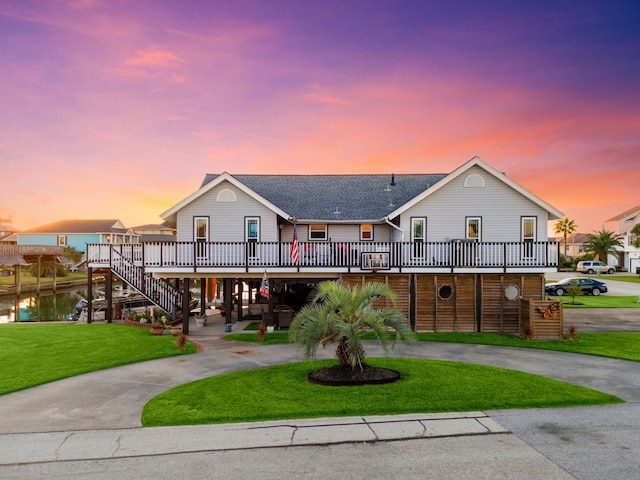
point(535, 228)
point(554, 213)
point(479, 232)
point(196, 238)
point(215, 182)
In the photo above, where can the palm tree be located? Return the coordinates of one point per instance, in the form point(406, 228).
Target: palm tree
point(603, 244)
point(338, 314)
point(635, 231)
point(566, 227)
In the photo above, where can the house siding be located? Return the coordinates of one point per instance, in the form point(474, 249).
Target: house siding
point(77, 241)
point(339, 232)
point(226, 219)
point(500, 207)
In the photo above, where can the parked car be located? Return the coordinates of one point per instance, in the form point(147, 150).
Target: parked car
point(593, 266)
point(588, 286)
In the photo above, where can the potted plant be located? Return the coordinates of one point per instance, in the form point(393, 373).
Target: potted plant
point(227, 327)
point(157, 328)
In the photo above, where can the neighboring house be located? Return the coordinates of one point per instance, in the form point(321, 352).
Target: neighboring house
point(155, 233)
point(575, 244)
point(629, 256)
point(5, 230)
point(460, 249)
point(77, 234)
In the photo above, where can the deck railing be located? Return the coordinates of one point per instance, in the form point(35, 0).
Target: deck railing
point(346, 255)
point(13, 249)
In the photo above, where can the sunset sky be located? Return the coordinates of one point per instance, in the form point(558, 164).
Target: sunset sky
point(118, 108)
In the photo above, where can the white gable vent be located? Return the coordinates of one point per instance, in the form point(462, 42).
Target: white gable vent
point(226, 196)
point(474, 181)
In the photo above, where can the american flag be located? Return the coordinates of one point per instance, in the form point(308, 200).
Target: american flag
point(295, 252)
point(264, 286)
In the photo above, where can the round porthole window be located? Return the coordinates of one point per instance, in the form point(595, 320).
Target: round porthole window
point(511, 292)
point(445, 292)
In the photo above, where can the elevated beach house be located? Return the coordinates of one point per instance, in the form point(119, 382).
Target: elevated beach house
point(461, 250)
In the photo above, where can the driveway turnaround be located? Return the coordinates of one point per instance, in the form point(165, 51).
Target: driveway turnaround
point(89, 426)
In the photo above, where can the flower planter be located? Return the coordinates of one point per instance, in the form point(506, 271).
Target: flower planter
point(227, 327)
point(157, 330)
point(201, 321)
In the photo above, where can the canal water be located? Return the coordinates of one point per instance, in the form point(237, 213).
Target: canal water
point(46, 307)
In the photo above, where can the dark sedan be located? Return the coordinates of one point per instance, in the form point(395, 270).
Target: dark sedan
point(589, 286)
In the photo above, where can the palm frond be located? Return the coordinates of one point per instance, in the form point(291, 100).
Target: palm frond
point(339, 313)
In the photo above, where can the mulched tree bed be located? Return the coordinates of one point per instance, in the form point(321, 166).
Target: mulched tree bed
point(340, 375)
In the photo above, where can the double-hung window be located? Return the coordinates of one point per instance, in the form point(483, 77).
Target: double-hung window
point(366, 231)
point(318, 232)
point(201, 236)
point(474, 228)
point(418, 235)
point(528, 235)
point(252, 234)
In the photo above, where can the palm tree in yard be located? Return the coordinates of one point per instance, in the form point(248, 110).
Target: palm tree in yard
point(603, 244)
point(565, 227)
point(338, 314)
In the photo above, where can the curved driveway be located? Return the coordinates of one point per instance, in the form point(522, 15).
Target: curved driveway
point(114, 398)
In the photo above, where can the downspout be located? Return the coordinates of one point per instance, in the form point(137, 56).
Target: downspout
point(389, 222)
point(386, 220)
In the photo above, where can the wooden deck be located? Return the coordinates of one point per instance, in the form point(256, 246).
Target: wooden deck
point(235, 258)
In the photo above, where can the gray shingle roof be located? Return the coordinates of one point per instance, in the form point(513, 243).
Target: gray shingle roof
point(318, 197)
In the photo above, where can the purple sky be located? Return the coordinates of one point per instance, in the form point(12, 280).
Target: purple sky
point(117, 109)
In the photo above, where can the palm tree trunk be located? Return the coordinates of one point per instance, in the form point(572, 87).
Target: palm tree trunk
point(345, 354)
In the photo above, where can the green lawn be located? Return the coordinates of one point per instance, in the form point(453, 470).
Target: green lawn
point(617, 278)
point(282, 392)
point(601, 301)
point(622, 345)
point(33, 354)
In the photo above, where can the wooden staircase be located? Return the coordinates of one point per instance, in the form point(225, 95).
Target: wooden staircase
point(156, 290)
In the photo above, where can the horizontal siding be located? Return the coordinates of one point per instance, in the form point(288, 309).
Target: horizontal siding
point(339, 233)
point(227, 219)
point(500, 207)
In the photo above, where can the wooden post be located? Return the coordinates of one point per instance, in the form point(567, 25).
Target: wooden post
point(55, 274)
point(108, 293)
point(185, 306)
point(203, 296)
point(38, 275)
point(89, 294)
point(227, 293)
point(18, 279)
point(240, 292)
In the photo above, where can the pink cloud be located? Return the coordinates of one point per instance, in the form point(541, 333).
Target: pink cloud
point(153, 58)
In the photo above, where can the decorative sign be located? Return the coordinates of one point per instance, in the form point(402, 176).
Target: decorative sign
point(375, 261)
point(550, 311)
